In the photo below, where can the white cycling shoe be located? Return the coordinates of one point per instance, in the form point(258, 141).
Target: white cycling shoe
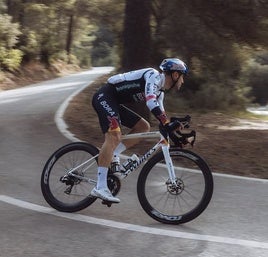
point(104, 194)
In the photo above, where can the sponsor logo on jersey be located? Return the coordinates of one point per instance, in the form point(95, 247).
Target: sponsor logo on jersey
point(127, 87)
point(139, 97)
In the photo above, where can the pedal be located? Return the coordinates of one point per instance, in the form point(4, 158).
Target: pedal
point(107, 203)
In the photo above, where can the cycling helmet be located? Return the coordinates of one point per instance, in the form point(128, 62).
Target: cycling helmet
point(173, 64)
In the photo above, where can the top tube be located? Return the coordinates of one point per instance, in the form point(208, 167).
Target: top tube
point(152, 134)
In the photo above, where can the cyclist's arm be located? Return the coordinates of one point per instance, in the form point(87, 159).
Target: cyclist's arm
point(154, 96)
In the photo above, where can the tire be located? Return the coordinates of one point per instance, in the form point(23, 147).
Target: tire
point(63, 192)
point(175, 205)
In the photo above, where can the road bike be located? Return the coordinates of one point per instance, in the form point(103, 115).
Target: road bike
point(174, 186)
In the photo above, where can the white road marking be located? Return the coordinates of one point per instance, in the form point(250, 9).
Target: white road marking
point(261, 180)
point(132, 227)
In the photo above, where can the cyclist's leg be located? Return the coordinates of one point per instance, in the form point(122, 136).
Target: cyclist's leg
point(112, 139)
point(135, 122)
point(107, 110)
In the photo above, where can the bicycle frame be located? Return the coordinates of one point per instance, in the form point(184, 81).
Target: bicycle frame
point(162, 143)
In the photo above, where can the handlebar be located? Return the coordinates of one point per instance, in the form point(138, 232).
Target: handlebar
point(185, 121)
point(178, 138)
point(181, 139)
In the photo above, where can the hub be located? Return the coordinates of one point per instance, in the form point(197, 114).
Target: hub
point(176, 188)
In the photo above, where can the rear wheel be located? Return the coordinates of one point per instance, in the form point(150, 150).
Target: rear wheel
point(70, 192)
point(179, 202)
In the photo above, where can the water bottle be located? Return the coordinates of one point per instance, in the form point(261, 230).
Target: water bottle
point(129, 162)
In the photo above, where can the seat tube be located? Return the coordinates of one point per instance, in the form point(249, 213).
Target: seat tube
point(168, 160)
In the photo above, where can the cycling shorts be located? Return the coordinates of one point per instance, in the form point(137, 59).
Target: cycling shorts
point(111, 113)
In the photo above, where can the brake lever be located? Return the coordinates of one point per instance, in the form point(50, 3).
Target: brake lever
point(185, 121)
point(185, 124)
point(187, 138)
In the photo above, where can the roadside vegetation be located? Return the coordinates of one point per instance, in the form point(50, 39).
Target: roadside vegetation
point(224, 42)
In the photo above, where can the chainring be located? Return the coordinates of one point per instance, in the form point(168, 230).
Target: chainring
point(114, 184)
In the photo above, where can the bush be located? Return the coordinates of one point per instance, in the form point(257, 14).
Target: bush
point(10, 59)
point(220, 97)
point(209, 97)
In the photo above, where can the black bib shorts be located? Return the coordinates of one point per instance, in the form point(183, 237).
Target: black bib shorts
point(112, 114)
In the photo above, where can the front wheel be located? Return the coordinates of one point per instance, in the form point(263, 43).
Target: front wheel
point(179, 202)
point(69, 176)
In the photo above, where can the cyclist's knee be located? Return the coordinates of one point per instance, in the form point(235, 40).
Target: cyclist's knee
point(147, 126)
point(142, 125)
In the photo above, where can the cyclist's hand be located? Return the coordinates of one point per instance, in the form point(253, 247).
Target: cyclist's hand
point(168, 128)
point(173, 125)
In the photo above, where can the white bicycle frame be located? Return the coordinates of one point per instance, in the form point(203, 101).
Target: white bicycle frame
point(163, 143)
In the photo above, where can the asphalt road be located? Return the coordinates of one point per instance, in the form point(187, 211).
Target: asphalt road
point(234, 224)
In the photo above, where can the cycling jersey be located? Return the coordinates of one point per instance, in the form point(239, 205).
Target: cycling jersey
point(140, 85)
point(134, 86)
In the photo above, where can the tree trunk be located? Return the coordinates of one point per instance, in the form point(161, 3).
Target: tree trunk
point(137, 34)
point(69, 37)
point(137, 42)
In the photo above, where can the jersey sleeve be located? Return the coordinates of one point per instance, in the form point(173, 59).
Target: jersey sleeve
point(155, 96)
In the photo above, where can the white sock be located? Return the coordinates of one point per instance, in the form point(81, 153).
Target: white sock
point(119, 149)
point(102, 177)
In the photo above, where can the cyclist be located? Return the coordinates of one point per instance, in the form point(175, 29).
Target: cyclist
point(135, 86)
